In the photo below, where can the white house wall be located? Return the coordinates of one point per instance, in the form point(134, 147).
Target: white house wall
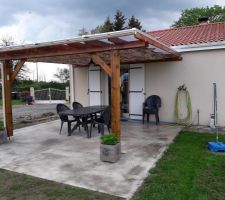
point(198, 70)
point(81, 85)
point(105, 88)
point(80, 76)
point(72, 84)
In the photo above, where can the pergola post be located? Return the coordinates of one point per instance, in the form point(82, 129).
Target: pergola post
point(115, 92)
point(7, 76)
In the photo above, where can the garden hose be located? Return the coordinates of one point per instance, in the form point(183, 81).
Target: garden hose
point(182, 90)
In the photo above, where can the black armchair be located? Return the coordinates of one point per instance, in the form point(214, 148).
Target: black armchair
point(64, 118)
point(151, 107)
point(77, 105)
point(102, 120)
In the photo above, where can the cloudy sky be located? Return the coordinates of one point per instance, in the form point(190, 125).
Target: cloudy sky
point(30, 21)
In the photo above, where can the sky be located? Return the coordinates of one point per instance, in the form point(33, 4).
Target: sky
point(30, 21)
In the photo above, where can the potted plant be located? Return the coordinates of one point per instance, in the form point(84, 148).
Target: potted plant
point(3, 133)
point(110, 148)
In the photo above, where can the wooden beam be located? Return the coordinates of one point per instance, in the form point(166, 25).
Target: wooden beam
point(143, 61)
point(168, 59)
point(157, 44)
point(60, 50)
point(115, 92)
point(117, 40)
point(97, 59)
point(155, 60)
point(17, 68)
point(97, 43)
point(7, 74)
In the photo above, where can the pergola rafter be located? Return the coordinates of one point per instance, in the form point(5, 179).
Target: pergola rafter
point(97, 60)
point(108, 50)
point(17, 68)
point(67, 49)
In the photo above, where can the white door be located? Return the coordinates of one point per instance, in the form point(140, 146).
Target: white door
point(136, 90)
point(94, 89)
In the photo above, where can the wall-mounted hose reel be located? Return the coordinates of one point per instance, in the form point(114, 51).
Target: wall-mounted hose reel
point(183, 99)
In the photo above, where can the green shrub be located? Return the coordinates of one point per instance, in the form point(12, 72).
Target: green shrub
point(26, 84)
point(109, 139)
point(1, 125)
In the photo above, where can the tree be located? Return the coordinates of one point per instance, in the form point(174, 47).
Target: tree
point(7, 41)
point(62, 74)
point(23, 73)
point(118, 24)
point(134, 23)
point(190, 17)
point(119, 21)
point(107, 26)
point(83, 31)
point(97, 29)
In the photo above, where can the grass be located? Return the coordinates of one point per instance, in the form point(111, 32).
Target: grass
point(15, 102)
point(187, 171)
point(1, 127)
point(23, 187)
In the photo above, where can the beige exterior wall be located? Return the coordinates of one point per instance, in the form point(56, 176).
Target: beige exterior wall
point(81, 85)
point(104, 88)
point(197, 70)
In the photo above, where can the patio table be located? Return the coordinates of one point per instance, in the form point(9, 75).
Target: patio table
point(83, 113)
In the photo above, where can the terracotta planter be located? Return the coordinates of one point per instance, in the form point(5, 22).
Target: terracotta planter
point(3, 136)
point(110, 153)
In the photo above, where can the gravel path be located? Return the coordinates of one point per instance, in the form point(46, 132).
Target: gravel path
point(29, 112)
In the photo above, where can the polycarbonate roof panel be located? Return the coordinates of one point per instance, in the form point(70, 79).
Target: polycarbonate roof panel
point(133, 41)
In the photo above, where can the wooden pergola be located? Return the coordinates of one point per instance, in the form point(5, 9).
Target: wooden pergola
point(108, 50)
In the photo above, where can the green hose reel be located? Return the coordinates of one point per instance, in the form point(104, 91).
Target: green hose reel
point(182, 91)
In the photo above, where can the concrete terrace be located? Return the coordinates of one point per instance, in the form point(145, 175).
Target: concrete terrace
point(40, 151)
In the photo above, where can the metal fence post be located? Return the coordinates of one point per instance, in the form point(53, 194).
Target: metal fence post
point(67, 93)
point(32, 93)
point(49, 94)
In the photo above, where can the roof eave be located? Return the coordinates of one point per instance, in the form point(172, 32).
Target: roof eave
point(199, 47)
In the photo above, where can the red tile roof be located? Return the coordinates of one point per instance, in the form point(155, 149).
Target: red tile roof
point(202, 33)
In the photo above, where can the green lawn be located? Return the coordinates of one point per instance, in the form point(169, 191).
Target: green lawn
point(15, 186)
point(15, 102)
point(187, 171)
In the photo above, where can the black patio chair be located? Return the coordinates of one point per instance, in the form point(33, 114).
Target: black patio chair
point(64, 118)
point(102, 120)
point(151, 107)
point(83, 120)
point(77, 105)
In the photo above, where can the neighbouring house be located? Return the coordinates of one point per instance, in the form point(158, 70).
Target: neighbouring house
point(202, 49)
